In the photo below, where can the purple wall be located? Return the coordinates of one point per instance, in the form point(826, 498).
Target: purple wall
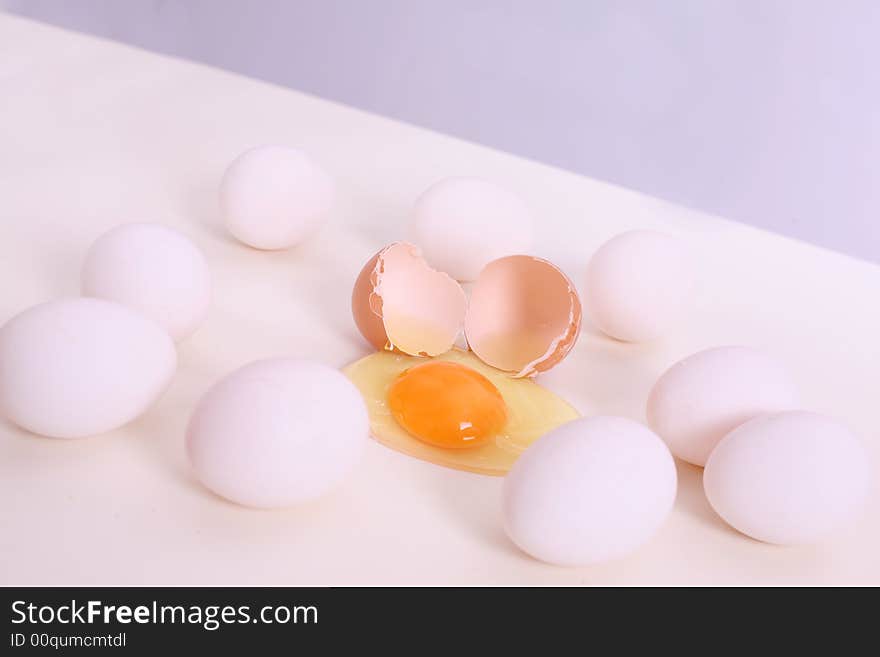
point(764, 112)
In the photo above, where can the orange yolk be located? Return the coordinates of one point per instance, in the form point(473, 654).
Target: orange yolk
point(447, 405)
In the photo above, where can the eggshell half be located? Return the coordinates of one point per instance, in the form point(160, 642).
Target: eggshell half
point(788, 478)
point(700, 399)
point(592, 490)
point(399, 302)
point(524, 315)
point(77, 367)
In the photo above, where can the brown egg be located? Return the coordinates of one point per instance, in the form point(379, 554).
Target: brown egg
point(524, 315)
point(399, 302)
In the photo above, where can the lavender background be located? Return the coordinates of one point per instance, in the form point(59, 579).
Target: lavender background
point(761, 111)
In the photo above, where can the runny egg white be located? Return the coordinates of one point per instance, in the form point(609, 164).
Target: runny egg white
point(455, 410)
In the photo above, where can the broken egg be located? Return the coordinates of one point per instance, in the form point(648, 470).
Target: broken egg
point(455, 410)
point(399, 302)
point(523, 317)
point(470, 410)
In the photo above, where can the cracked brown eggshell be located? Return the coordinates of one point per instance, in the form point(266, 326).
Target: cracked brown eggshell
point(399, 302)
point(524, 315)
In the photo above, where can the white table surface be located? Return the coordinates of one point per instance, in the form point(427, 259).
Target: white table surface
point(93, 134)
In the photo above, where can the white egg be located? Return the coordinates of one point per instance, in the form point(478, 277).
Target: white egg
point(277, 432)
point(77, 367)
point(462, 224)
point(788, 478)
point(638, 285)
point(700, 399)
point(153, 269)
point(592, 490)
point(274, 197)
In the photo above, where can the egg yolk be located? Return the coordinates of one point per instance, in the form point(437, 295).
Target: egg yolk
point(447, 405)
